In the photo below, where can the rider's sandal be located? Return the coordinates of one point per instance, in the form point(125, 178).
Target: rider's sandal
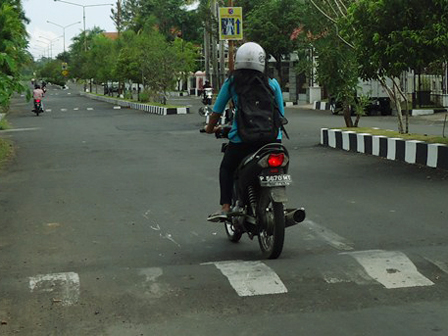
point(219, 216)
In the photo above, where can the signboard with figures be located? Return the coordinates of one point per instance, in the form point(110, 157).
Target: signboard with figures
point(230, 23)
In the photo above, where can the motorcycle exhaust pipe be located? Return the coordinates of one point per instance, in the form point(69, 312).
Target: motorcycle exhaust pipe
point(294, 216)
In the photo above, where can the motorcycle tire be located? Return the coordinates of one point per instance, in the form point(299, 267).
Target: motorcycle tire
point(233, 233)
point(201, 111)
point(271, 221)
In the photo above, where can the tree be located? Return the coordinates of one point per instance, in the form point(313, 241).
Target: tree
point(13, 54)
point(336, 66)
point(271, 24)
point(385, 48)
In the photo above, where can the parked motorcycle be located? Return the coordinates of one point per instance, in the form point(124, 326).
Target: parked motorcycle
point(259, 194)
point(38, 108)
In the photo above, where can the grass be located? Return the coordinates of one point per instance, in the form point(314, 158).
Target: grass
point(6, 146)
point(395, 134)
point(6, 151)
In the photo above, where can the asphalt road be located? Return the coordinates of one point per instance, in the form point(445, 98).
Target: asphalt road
point(103, 231)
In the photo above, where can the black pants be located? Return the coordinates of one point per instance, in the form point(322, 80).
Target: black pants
point(233, 156)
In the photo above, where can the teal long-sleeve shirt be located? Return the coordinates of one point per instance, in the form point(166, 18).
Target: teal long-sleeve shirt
point(225, 95)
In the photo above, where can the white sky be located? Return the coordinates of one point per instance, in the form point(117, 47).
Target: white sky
point(63, 14)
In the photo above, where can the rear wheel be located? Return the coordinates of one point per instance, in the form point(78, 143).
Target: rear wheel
point(271, 220)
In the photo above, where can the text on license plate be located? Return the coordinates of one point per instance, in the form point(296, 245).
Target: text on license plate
point(275, 180)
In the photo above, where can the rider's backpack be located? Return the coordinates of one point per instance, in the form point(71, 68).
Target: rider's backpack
point(258, 115)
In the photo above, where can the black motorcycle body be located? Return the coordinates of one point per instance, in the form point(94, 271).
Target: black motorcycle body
point(38, 109)
point(259, 195)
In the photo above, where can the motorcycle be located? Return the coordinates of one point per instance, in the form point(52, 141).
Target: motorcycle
point(38, 108)
point(207, 101)
point(259, 194)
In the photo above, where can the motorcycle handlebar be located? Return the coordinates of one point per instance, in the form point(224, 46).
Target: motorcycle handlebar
point(220, 133)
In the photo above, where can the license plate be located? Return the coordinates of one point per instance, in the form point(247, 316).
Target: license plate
point(275, 180)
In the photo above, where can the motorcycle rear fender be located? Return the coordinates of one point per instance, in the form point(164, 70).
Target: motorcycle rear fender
point(278, 194)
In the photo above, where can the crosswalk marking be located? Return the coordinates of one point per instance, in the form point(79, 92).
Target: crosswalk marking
point(66, 285)
point(392, 269)
point(251, 278)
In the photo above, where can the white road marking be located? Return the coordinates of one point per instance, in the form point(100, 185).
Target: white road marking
point(48, 110)
point(76, 109)
point(64, 284)
point(333, 239)
point(90, 109)
point(63, 110)
point(392, 269)
point(117, 107)
point(21, 129)
point(442, 265)
point(250, 278)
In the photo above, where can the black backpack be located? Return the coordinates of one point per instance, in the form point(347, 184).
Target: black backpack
point(258, 115)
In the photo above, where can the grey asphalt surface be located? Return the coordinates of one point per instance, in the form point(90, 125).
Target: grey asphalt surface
point(117, 200)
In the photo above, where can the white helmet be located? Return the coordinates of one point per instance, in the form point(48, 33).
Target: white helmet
point(250, 56)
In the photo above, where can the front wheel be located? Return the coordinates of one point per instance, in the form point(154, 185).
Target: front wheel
point(234, 233)
point(271, 221)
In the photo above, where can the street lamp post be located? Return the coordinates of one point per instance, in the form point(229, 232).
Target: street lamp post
point(50, 42)
point(63, 29)
point(83, 15)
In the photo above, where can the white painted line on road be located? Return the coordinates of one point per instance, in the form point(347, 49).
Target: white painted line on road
point(48, 110)
point(69, 93)
point(64, 284)
point(76, 109)
point(392, 269)
point(332, 239)
point(250, 278)
point(63, 110)
point(117, 107)
point(442, 265)
point(90, 109)
point(21, 129)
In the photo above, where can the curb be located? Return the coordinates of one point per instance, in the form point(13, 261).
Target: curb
point(318, 105)
point(410, 151)
point(139, 106)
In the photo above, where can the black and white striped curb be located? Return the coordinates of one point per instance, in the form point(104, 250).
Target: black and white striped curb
point(321, 105)
point(410, 151)
point(139, 106)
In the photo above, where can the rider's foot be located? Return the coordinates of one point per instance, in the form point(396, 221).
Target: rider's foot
point(219, 216)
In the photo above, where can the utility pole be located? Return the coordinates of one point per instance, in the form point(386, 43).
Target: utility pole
point(215, 76)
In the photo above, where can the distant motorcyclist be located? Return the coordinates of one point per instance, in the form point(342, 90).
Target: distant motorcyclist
point(207, 93)
point(38, 94)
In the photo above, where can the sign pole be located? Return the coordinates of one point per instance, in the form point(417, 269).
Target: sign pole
point(231, 63)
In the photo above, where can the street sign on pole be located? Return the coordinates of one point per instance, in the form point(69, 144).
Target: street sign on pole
point(230, 23)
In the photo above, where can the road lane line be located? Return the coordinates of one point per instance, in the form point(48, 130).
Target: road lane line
point(332, 238)
point(90, 109)
point(64, 284)
point(393, 269)
point(442, 265)
point(63, 110)
point(251, 278)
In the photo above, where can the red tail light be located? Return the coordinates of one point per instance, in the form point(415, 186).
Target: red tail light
point(276, 160)
point(37, 100)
